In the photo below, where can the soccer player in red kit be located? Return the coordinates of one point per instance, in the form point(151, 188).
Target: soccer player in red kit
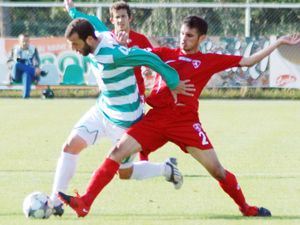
point(177, 120)
point(121, 17)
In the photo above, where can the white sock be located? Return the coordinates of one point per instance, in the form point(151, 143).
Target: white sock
point(65, 170)
point(145, 169)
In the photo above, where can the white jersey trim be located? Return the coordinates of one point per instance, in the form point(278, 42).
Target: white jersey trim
point(115, 72)
point(120, 84)
point(128, 99)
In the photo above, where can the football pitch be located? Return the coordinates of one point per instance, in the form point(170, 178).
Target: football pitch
point(257, 140)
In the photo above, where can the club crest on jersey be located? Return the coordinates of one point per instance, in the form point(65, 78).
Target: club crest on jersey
point(196, 63)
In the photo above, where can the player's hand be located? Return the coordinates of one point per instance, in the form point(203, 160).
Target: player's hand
point(69, 4)
point(146, 71)
point(290, 39)
point(122, 38)
point(183, 88)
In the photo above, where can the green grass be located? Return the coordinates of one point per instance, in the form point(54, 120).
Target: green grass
point(257, 140)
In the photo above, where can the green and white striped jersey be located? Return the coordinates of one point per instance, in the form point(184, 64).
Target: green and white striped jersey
point(113, 66)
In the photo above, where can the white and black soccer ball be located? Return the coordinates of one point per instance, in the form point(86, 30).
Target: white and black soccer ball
point(37, 205)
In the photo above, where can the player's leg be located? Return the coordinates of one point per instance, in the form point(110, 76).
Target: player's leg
point(65, 169)
point(227, 181)
point(145, 169)
point(190, 133)
point(86, 132)
point(146, 134)
point(102, 176)
point(127, 146)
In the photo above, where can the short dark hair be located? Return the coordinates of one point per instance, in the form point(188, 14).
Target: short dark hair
point(82, 27)
point(197, 23)
point(120, 5)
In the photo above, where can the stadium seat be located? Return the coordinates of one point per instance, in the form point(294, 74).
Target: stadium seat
point(52, 77)
point(4, 74)
point(73, 75)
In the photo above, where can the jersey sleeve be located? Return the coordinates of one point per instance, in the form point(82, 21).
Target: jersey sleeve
point(138, 57)
point(160, 51)
point(94, 20)
point(219, 62)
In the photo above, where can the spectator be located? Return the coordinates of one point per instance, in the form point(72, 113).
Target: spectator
point(25, 61)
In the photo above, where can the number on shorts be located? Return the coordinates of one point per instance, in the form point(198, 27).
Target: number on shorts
point(197, 127)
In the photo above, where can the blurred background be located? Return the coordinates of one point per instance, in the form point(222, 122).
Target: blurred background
point(235, 27)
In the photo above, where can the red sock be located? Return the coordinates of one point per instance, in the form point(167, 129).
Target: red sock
point(101, 177)
point(232, 188)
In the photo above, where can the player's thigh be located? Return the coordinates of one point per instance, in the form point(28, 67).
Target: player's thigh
point(74, 145)
point(112, 131)
point(125, 150)
point(89, 128)
point(208, 158)
point(189, 133)
point(149, 136)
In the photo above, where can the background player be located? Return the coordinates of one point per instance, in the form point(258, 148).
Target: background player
point(121, 17)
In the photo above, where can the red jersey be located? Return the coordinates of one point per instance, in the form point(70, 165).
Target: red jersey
point(136, 39)
point(198, 68)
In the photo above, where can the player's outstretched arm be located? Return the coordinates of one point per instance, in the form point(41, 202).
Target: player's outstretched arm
point(94, 20)
point(258, 56)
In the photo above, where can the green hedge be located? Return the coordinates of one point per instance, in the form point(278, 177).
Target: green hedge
point(215, 93)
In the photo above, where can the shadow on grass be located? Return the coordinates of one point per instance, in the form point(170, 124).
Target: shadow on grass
point(170, 217)
point(255, 176)
point(165, 217)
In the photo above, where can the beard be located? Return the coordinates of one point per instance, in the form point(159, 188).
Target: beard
point(86, 50)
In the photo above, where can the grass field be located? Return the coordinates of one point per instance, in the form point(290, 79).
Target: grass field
point(257, 140)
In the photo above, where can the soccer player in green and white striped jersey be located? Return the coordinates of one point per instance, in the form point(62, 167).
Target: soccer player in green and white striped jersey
point(118, 106)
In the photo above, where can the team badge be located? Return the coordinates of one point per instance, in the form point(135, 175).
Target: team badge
point(196, 63)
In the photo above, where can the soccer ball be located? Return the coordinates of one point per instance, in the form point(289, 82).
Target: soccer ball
point(36, 205)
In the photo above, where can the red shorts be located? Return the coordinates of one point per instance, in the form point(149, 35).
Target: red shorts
point(178, 125)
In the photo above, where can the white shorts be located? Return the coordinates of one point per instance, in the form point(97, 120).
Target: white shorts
point(92, 126)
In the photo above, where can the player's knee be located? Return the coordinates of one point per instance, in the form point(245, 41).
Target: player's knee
point(68, 148)
point(73, 147)
point(218, 172)
point(117, 154)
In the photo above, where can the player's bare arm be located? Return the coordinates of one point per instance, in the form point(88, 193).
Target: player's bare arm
point(293, 39)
